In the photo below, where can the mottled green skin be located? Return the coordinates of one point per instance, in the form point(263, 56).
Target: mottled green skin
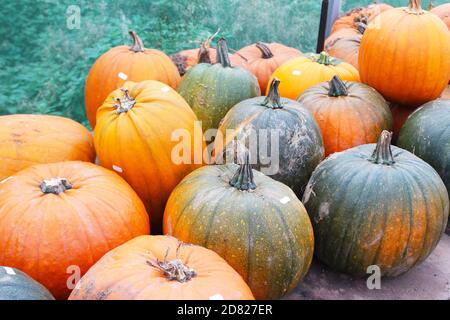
point(20, 286)
point(426, 133)
point(211, 90)
point(265, 235)
point(366, 214)
point(300, 141)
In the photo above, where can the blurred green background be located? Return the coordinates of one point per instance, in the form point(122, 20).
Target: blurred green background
point(44, 64)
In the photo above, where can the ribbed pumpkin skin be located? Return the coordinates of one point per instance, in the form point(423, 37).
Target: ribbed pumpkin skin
point(264, 235)
point(124, 274)
point(443, 12)
point(344, 44)
point(43, 234)
point(426, 133)
point(138, 144)
point(366, 214)
point(27, 139)
point(406, 56)
point(211, 90)
point(106, 75)
point(347, 121)
point(299, 138)
point(16, 285)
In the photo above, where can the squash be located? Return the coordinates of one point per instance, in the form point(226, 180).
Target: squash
point(65, 214)
point(255, 223)
point(288, 143)
point(16, 285)
point(426, 134)
point(28, 139)
point(400, 114)
point(134, 137)
point(443, 12)
point(122, 63)
point(376, 205)
point(161, 268)
point(262, 59)
point(299, 74)
point(406, 55)
point(349, 114)
point(211, 90)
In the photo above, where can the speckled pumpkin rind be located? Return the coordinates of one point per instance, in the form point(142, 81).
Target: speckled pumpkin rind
point(16, 285)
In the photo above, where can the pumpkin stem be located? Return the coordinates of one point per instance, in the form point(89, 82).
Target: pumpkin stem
point(138, 45)
point(324, 58)
point(415, 7)
point(55, 185)
point(243, 178)
point(430, 7)
point(337, 88)
point(265, 50)
point(273, 98)
point(125, 104)
point(203, 54)
point(175, 269)
point(383, 152)
point(222, 53)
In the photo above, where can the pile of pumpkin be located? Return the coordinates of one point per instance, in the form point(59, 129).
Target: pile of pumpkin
point(230, 231)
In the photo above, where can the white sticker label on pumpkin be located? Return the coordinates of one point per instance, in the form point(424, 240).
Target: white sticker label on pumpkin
point(117, 168)
point(296, 72)
point(9, 270)
point(165, 89)
point(216, 297)
point(285, 200)
point(122, 76)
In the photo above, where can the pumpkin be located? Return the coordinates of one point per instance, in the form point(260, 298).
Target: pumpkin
point(406, 55)
point(263, 59)
point(376, 205)
point(426, 134)
point(211, 90)
point(133, 137)
point(446, 93)
point(443, 12)
point(16, 285)
point(65, 214)
point(399, 114)
point(349, 114)
point(161, 268)
point(295, 149)
point(255, 223)
point(299, 74)
point(133, 63)
point(32, 139)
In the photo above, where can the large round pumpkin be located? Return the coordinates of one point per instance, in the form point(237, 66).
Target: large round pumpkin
point(27, 139)
point(299, 74)
point(376, 205)
point(16, 285)
point(443, 12)
point(255, 223)
point(349, 113)
point(426, 133)
point(406, 55)
point(285, 138)
point(262, 59)
point(211, 90)
point(62, 217)
point(122, 63)
point(161, 268)
point(136, 135)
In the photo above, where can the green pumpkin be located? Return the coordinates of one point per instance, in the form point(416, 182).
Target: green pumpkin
point(16, 285)
point(255, 223)
point(281, 124)
point(426, 133)
point(212, 89)
point(373, 205)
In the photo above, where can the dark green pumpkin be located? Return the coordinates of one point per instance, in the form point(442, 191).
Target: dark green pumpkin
point(212, 89)
point(373, 205)
point(16, 285)
point(255, 223)
point(426, 133)
point(297, 137)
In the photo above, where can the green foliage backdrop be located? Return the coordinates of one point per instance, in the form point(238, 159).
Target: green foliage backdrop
point(43, 63)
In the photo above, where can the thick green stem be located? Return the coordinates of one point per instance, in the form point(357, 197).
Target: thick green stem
point(273, 98)
point(337, 88)
point(243, 178)
point(55, 185)
point(222, 53)
point(138, 45)
point(383, 153)
point(265, 50)
point(324, 58)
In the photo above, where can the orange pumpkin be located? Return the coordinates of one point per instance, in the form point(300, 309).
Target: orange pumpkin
point(263, 59)
point(443, 12)
point(161, 268)
point(400, 114)
point(134, 137)
point(57, 220)
point(301, 73)
point(133, 63)
point(27, 139)
point(406, 55)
